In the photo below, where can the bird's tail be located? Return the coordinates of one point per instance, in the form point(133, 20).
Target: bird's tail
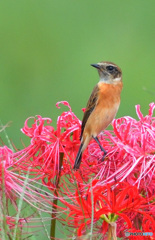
point(78, 158)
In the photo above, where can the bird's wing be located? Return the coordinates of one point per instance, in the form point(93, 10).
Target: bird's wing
point(90, 107)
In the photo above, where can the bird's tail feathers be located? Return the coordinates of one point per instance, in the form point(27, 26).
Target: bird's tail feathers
point(78, 158)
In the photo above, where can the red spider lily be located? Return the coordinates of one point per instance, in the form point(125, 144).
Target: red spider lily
point(47, 143)
point(15, 185)
point(5, 176)
point(130, 151)
point(13, 182)
point(130, 160)
point(110, 203)
point(148, 226)
point(43, 154)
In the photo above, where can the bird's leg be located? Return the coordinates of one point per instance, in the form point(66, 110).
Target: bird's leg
point(102, 149)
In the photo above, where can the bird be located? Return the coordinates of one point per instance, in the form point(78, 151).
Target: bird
point(102, 106)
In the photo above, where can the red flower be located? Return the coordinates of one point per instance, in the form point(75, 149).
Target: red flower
point(131, 151)
point(47, 143)
point(106, 204)
point(123, 184)
point(13, 182)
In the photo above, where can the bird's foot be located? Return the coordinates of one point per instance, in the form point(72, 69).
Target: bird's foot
point(104, 156)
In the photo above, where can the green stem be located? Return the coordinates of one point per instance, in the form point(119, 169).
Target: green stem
point(4, 229)
point(92, 216)
point(20, 203)
point(55, 201)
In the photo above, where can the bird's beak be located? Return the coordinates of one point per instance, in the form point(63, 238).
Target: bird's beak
point(96, 65)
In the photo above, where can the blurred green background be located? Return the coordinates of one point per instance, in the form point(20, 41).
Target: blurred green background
point(47, 46)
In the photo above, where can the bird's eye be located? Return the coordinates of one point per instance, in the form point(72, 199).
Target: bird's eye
point(110, 68)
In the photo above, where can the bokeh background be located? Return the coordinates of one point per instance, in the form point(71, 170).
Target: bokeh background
point(47, 46)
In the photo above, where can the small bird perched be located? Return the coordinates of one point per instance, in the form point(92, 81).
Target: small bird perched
point(102, 106)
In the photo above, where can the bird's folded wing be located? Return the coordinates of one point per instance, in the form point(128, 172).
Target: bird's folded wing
point(90, 107)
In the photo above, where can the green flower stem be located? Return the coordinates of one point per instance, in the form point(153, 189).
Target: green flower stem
point(55, 201)
point(3, 225)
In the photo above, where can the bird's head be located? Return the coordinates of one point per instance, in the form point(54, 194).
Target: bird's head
point(108, 72)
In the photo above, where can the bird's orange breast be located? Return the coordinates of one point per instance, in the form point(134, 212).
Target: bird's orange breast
point(107, 105)
point(109, 94)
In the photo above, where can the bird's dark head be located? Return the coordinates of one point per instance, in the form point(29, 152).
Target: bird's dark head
point(108, 72)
